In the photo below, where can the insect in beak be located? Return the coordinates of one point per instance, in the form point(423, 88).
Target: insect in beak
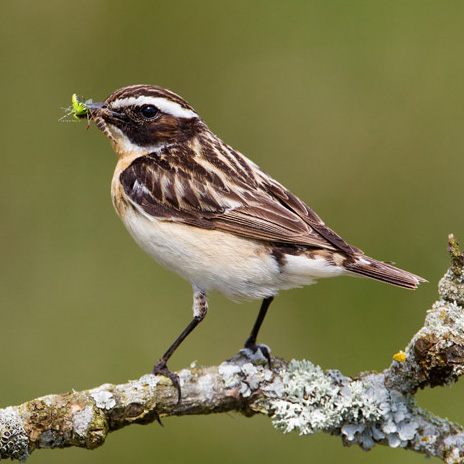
point(90, 110)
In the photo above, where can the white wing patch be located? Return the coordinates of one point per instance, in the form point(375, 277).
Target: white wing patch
point(139, 186)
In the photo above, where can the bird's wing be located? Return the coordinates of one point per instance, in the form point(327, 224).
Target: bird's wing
point(257, 207)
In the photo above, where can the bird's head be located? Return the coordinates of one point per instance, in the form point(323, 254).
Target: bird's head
point(144, 119)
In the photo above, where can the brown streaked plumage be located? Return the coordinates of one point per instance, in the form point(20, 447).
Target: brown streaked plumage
point(208, 213)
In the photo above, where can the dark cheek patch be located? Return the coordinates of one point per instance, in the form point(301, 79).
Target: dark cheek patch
point(165, 129)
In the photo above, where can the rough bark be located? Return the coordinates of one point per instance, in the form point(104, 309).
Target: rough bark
point(369, 409)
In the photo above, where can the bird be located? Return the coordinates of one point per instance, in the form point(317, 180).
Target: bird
point(203, 210)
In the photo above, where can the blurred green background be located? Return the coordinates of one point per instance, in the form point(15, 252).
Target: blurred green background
point(356, 106)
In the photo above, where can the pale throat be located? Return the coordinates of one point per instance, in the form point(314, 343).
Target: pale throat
point(125, 148)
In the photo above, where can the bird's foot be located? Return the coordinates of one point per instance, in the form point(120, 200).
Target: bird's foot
point(160, 368)
point(264, 350)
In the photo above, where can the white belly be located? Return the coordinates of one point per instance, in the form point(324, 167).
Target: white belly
point(212, 260)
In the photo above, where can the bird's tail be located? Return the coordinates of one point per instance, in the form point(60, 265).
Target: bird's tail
point(369, 267)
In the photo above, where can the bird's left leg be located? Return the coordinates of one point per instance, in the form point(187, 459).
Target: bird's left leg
point(200, 308)
point(251, 340)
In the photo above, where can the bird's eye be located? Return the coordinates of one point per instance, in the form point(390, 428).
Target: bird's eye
point(149, 111)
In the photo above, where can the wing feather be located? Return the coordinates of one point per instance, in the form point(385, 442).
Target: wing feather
point(260, 209)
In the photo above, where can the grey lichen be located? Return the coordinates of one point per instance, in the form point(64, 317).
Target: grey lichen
point(103, 399)
point(315, 401)
point(455, 447)
point(13, 437)
point(138, 391)
point(230, 374)
point(360, 411)
point(82, 421)
point(249, 372)
point(451, 287)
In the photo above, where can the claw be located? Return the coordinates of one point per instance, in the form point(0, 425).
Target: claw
point(160, 368)
point(265, 350)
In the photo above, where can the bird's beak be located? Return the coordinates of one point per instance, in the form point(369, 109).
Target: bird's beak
point(97, 109)
point(101, 110)
point(96, 106)
point(100, 114)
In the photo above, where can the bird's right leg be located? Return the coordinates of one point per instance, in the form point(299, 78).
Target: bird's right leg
point(251, 340)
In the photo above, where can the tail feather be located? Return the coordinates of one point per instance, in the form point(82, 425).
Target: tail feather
point(369, 267)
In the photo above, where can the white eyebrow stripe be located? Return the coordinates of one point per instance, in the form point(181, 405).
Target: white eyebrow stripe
point(163, 104)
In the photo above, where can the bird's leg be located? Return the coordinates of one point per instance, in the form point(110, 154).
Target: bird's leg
point(251, 340)
point(200, 308)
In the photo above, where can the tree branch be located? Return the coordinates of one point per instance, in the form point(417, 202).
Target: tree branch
point(370, 409)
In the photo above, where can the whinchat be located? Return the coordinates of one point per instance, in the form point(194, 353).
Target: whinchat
point(208, 213)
